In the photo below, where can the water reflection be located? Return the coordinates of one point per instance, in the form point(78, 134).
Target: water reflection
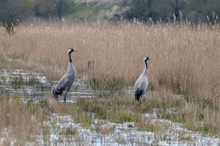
point(26, 84)
point(31, 86)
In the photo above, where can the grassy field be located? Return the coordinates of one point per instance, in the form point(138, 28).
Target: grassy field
point(184, 60)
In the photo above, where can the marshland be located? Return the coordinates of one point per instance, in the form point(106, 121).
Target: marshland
point(181, 105)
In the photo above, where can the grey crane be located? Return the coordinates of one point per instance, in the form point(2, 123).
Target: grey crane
point(66, 81)
point(141, 84)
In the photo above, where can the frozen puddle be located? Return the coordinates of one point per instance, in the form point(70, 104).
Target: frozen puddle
point(123, 134)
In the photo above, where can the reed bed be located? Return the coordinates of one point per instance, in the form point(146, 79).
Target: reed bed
point(20, 122)
point(182, 56)
point(184, 60)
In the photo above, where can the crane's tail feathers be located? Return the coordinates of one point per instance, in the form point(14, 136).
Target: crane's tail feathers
point(138, 94)
point(56, 92)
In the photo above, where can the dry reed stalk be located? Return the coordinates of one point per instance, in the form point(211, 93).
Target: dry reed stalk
point(116, 51)
point(184, 59)
point(21, 121)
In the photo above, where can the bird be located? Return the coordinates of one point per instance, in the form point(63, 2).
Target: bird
point(64, 84)
point(141, 84)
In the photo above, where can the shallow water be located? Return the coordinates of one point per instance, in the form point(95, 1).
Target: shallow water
point(30, 86)
point(123, 134)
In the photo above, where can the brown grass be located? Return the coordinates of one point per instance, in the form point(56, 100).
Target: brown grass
point(184, 58)
point(21, 121)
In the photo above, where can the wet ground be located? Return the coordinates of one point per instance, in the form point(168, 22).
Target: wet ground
point(30, 86)
point(123, 134)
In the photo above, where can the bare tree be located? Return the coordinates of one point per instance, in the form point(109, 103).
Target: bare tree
point(62, 7)
point(11, 12)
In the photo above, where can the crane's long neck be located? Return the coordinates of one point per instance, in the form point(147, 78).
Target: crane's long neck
point(145, 69)
point(70, 59)
point(146, 65)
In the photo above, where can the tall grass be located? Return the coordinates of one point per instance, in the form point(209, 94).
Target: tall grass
point(184, 59)
point(20, 121)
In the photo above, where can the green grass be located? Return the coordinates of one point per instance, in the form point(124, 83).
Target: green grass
point(90, 11)
point(80, 7)
point(185, 138)
point(112, 109)
point(81, 11)
point(112, 85)
point(20, 80)
point(11, 63)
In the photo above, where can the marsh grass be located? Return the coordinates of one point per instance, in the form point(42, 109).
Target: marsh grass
point(109, 107)
point(113, 86)
point(185, 138)
point(21, 80)
point(11, 64)
point(101, 126)
point(184, 60)
point(22, 120)
point(121, 109)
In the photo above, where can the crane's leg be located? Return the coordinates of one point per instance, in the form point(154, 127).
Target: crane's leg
point(140, 101)
point(65, 97)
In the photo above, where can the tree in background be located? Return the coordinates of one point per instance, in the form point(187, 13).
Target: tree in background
point(12, 12)
point(203, 10)
point(193, 10)
point(44, 9)
point(50, 8)
point(62, 7)
point(139, 9)
point(155, 9)
point(177, 6)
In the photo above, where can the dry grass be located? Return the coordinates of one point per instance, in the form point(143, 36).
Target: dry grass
point(184, 60)
point(19, 121)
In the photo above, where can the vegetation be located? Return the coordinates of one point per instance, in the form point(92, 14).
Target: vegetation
point(11, 13)
point(22, 120)
point(183, 72)
point(149, 11)
point(195, 11)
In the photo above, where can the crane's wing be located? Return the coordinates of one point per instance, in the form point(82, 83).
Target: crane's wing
point(62, 83)
point(141, 83)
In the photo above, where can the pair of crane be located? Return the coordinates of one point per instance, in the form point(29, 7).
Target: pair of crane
point(64, 84)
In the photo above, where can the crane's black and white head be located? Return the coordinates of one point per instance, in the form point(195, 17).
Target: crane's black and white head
point(71, 50)
point(69, 53)
point(146, 59)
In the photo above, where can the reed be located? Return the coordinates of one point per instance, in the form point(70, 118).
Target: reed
point(184, 60)
point(20, 121)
